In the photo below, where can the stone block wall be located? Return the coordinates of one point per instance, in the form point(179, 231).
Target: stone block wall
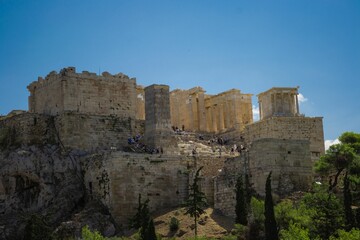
point(28, 129)
point(83, 92)
point(119, 178)
point(91, 132)
point(289, 161)
point(301, 128)
point(225, 181)
point(140, 103)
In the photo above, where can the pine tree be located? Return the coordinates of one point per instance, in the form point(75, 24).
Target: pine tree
point(240, 207)
point(196, 202)
point(271, 232)
point(349, 216)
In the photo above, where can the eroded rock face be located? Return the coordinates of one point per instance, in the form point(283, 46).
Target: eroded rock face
point(37, 181)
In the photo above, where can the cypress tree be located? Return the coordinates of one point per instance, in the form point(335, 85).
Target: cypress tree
point(142, 221)
point(196, 202)
point(149, 233)
point(271, 232)
point(349, 216)
point(240, 207)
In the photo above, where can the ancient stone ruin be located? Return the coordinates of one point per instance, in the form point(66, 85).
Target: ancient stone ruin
point(129, 140)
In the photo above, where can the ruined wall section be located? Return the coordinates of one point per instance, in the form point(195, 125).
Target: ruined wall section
point(225, 181)
point(27, 129)
point(288, 160)
point(85, 93)
point(117, 179)
point(93, 132)
point(301, 128)
point(46, 95)
point(140, 103)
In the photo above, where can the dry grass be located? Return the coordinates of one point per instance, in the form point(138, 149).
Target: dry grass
point(210, 224)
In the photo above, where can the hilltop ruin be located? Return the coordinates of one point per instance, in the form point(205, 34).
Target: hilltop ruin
point(175, 132)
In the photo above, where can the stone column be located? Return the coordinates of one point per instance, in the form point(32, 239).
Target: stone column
point(297, 104)
point(201, 112)
point(190, 119)
point(209, 124)
point(226, 115)
point(214, 118)
point(221, 116)
point(260, 109)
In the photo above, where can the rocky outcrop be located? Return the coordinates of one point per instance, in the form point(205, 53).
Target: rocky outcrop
point(37, 181)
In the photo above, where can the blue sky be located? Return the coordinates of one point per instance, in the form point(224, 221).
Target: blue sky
point(219, 45)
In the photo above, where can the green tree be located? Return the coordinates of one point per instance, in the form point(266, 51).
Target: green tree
point(295, 232)
point(271, 232)
point(87, 234)
point(349, 216)
point(149, 232)
point(196, 203)
point(354, 234)
point(142, 221)
point(256, 226)
point(326, 213)
point(241, 206)
point(344, 156)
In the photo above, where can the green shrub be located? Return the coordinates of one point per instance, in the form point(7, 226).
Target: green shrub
point(174, 224)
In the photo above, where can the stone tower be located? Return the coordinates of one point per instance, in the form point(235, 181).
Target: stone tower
point(158, 132)
point(279, 102)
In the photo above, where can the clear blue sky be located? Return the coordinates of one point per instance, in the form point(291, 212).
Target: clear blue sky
point(219, 45)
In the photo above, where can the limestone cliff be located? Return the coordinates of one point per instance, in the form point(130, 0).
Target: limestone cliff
point(39, 181)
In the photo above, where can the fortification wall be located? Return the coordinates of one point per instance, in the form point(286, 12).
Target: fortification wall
point(27, 129)
point(118, 178)
point(47, 95)
point(91, 132)
point(140, 103)
point(289, 161)
point(301, 128)
point(225, 181)
point(85, 93)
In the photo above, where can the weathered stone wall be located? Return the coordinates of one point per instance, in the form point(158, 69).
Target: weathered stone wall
point(224, 194)
point(118, 178)
point(27, 129)
point(76, 131)
point(85, 93)
point(289, 161)
point(301, 128)
point(140, 103)
point(91, 132)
